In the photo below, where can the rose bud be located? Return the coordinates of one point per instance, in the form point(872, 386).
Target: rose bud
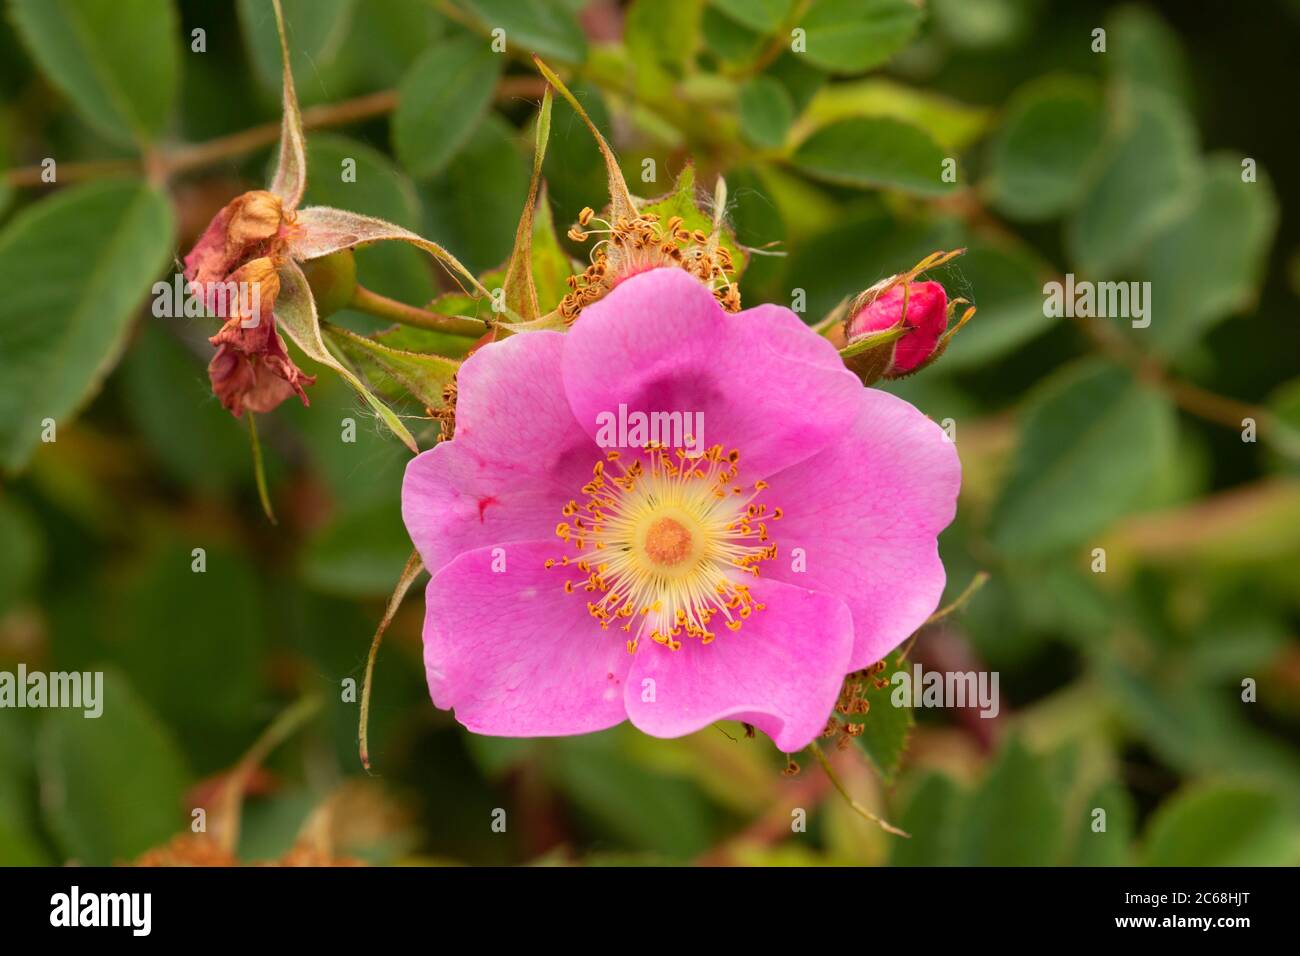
point(899, 326)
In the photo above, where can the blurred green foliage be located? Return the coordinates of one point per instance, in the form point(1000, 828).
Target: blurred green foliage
point(1122, 691)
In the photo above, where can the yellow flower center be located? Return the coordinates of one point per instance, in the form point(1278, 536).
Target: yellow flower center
point(667, 542)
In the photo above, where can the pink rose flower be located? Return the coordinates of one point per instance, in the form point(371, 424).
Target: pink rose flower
point(576, 586)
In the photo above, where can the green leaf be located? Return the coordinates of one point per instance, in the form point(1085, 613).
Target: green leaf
point(474, 205)
point(1210, 263)
point(728, 39)
point(1222, 824)
point(953, 125)
point(1014, 817)
point(1111, 846)
point(983, 24)
point(169, 400)
point(853, 36)
point(114, 785)
point(766, 111)
point(116, 60)
point(20, 840)
point(382, 44)
point(206, 686)
point(643, 807)
point(1146, 54)
point(661, 37)
point(874, 153)
point(885, 727)
point(441, 101)
point(1145, 179)
point(23, 553)
point(1039, 162)
point(317, 30)
point(74, 267)
point(392, 370)
point(358, 554)
point(761, 15)
point(543, 27)
point(1092, 440)
point(931, 817)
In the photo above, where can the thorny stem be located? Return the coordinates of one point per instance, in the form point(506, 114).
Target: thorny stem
point(192, 156)
point(843, 791)
point(381, 306)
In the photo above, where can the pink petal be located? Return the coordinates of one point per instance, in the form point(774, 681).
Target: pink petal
point(866, 513)
point(782, 671)
point(766, 383)
point(517, 456)
point(513, 654)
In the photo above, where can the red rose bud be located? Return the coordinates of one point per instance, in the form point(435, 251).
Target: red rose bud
point(899, 326)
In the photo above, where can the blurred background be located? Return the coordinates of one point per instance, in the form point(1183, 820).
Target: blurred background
point(1122, 670)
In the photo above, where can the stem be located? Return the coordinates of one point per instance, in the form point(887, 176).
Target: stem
point(857, 807)
point(259, 470)
point(381, 306)
point(197, 155)
point(1193, 399)
point(976, 583)
point(414, 565)
point(280, 730)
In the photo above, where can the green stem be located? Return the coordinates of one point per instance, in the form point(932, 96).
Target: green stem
point(976, 583)
point(843, 792)
point(372, 303)
point(280, 730)
point(414, 565)
point(259, 470)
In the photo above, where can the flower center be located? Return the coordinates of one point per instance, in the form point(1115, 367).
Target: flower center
point(667, 541)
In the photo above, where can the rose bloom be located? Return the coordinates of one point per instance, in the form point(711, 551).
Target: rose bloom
point(576, 586)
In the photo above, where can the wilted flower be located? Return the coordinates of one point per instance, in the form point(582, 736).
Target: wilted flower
point(744, 583)
point(252, 369)
point(266, 233)
point(246, 226)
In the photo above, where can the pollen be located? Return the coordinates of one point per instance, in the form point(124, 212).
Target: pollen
point(629, 247)
point(668, 544)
